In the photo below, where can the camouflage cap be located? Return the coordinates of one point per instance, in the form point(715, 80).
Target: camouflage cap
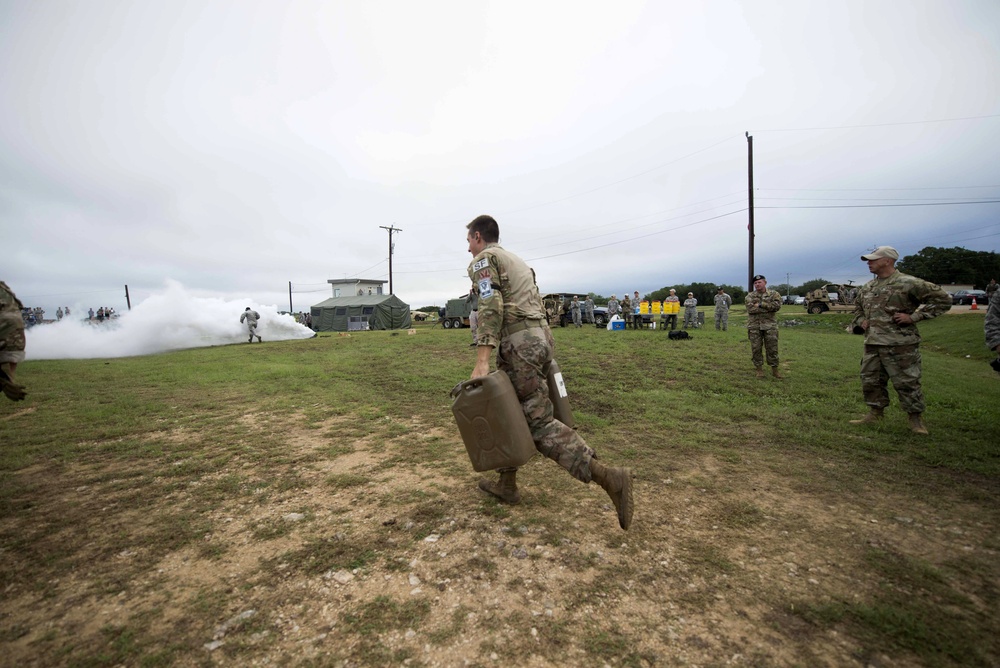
point(880, 252)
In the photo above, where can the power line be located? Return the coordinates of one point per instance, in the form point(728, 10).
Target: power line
point(876, 206)
point(884, 125)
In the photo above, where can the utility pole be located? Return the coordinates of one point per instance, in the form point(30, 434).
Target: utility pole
point(788, 287)
point(290, 297)
point(390, 230)
point(750, 209)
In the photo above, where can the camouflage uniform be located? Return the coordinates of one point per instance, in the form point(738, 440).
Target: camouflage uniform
point(574, 308)
point(892, 351)
point(251, 318)
point(670, 317)
point(992, 325)
point(762, 325)
point(626, 306)
point(690, 312)
point(613, 308)
point(512, 320)
point(588, 308)
point(722, 303)
point(11, 327)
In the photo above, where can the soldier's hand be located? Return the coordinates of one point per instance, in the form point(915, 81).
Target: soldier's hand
point(12, 390)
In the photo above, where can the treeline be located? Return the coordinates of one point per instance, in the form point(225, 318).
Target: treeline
point(953, 266)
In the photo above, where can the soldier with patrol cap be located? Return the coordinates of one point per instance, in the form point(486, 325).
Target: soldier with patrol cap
point(762, 325)
point(722, 303)
point(11, 343)
point(512, 321)
point(886, 312)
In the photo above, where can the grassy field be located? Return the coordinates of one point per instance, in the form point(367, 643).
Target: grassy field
point(310, 503)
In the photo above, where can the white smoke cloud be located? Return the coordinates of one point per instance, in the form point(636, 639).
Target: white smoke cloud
point(173, 320)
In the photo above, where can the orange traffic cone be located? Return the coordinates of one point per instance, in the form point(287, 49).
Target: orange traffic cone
point(975, 306)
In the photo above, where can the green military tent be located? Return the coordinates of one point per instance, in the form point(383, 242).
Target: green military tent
point(348, 314)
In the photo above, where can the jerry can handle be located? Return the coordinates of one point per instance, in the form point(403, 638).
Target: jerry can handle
point(474, 382)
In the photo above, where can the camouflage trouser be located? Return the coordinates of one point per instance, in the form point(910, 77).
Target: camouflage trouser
point(766, 338)
point(690, 318)
point(721, 318)
point(902, 365)
point(11, 337)
point(670, 318)
point(590, 316)
point(576, 318)
point(474, 325)
point(525, 356)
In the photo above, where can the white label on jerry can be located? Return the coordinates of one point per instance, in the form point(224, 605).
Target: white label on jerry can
point(561, 385)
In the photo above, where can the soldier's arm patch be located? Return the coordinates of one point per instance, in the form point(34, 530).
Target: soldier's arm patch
point(485, 288)
point(481, 264)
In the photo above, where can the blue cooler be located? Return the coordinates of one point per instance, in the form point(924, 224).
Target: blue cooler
point(617, 325)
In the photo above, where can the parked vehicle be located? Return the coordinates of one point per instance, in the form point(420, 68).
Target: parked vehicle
point(456, 313)
point(966, 296)
point(830, 297)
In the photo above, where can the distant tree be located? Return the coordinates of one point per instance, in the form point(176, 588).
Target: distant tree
point(808, 286)
point(428, 309)
point(703, 292)
point(952, 265)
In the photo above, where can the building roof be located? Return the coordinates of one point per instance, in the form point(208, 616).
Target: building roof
point(354, 300)
point(355, 281)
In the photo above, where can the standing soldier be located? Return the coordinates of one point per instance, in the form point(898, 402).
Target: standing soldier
point(251, 318)
point(574, 308)
point(637, 322)
point(473, 301)
point(512, 320)
point(588, 308)
point(887, 311)
point(626, 308)
point(762, 325)
point(722, 303)
point(613, 307)
point(690, 311)
point(671, 305)
point(11, 342)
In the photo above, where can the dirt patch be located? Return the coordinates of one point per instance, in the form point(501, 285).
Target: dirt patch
point(381, 550)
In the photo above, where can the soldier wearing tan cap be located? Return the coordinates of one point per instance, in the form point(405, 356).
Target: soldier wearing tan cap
point(886, 312)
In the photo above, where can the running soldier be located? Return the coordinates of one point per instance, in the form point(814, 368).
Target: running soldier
point(251, 318)
point(512, 320)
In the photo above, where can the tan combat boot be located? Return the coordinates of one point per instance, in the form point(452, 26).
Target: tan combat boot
point(917, 424)
point(874, 415)
point(504, 489)
point(776, 373)
point(617, 482)
point(760, 372)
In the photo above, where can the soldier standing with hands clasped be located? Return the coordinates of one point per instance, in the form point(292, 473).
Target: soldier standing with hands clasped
point(886, 312)
point(512, 321)
point(762, 325)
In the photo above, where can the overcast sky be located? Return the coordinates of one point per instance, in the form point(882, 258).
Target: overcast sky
point(235, 147)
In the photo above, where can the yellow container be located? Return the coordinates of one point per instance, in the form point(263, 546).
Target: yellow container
point(492, 423)
point(656, 308)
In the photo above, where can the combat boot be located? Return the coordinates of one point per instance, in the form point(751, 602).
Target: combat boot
point(917, 424)
point(760, 372)
point(776, 373)
point(874, 415)
point(504, 489)
point(617, 482)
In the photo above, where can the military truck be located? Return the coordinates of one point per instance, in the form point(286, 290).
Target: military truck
point(831, 297)
point(456, 313)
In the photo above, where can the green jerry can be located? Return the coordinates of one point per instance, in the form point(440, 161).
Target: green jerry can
point(492, 423)
point(559, 396)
